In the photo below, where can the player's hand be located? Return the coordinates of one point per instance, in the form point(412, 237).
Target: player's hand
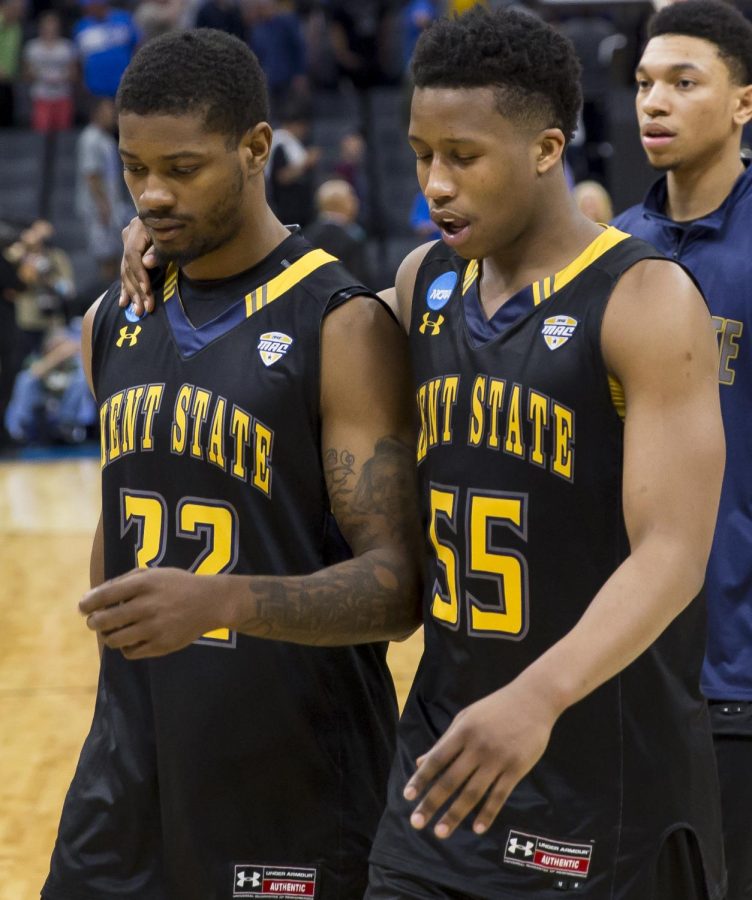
point(151, 612)
point(489, 747)
point(138, 257)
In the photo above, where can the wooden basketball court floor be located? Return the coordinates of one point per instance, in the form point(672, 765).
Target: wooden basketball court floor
point(48, 659)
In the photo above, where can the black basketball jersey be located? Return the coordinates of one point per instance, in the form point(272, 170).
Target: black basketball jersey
point(236, 767)
point(520, 461)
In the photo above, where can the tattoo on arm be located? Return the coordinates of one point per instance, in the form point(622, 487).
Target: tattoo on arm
point(373, 596)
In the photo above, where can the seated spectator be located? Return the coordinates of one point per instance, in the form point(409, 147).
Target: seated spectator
point(291, 168)
point(106, 39)
point(51, 399)
point(276, 37)
point(350, 163)
point(593, 200)
point(336, 229)
point(11, 14)
point(99, 189)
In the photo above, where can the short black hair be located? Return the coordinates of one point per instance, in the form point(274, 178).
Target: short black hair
point(533, 68)
point(200, 71)
point(714, 21)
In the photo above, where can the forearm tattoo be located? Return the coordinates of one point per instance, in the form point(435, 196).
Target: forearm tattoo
point(374, 595)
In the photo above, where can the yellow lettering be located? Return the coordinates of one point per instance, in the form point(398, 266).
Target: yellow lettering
point(240, 428)
point(152, 402)
point(180, 418)
point(104, 412)
point(433, 411)
point(200, 410)
point(538, 414)
point(448, 399)
point(423, 435)
point(216, 453)
point(495, 401)
point(130, 414)
point(563, 461)
point(513, 442)
point(476, 416)
point(262, 473)
point(116, 402)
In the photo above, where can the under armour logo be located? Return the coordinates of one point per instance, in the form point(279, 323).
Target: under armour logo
point(130, 336)
point(433, 324)
point(254, 879)
point(514, 846)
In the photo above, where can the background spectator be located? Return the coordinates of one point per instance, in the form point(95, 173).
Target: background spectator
point(51, 398)
point(50, 66)
point(336, 229)
point(276, 37)
point(155, 17)
point(223, 15)
point(593, 200)
point(99, 189)
point(11, 13)
point(291, 168)
point(106, 39)
point(421, 223)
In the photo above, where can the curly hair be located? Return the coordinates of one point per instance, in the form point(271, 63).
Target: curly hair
point(714, 21)
point(200, 71)
point(533, 68)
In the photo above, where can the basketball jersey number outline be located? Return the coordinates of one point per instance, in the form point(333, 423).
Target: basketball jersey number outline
point(509, 618)
point(197, 518)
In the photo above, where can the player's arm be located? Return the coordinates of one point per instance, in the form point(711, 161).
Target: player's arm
point(368, 453)
point(658, 341)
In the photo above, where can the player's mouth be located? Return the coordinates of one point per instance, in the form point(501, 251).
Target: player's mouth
point(655, 136)
point(163, 229)
point(454, 229)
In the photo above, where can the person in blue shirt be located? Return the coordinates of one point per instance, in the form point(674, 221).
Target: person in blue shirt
point(694, 97)
point(106, 39)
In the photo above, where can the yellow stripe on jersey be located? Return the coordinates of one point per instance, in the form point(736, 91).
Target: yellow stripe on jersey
point(471, 273)
point(171, 282)
point(537, 293)
point(609, 238)
point(617, 396)
point(280, 284)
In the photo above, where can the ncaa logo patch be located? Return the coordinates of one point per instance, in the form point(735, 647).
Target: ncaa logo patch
point(261, 882)
point(440, 290)
point(132, 316)
point(272, 346)
point(557, 330)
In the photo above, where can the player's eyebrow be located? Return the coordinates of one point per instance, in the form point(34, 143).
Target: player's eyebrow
point(181, 154)
point(672, 69)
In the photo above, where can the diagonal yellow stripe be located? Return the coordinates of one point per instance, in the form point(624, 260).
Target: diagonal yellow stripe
point(609, 238)
point(171, 281)
point(536, 293)
point(282, 283)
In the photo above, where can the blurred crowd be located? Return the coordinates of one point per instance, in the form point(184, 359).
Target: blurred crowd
point(60, 65)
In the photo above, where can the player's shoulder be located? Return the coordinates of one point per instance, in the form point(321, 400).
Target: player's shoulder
point(434, 254)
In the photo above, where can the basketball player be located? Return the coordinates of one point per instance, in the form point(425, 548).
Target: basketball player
point(570, 458)
point(694, 96)
point(257, 423)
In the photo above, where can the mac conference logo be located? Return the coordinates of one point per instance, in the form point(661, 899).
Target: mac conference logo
point(440, 290)
point(557, 330)
point(272, 346)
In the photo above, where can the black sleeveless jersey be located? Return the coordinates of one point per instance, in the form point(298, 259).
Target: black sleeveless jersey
point(236, 767)
point(520, 461)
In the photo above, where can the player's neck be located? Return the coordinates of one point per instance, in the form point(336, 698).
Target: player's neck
point(253, 242)
point(696, 191)
point(548, 245)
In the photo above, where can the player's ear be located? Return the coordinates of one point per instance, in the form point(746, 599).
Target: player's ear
point(743, 105)
point(549, 148)
point(255, 146)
